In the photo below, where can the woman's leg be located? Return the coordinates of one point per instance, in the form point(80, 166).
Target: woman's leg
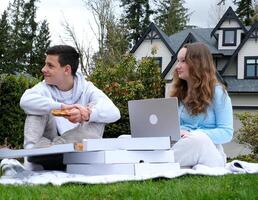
point(197, 149)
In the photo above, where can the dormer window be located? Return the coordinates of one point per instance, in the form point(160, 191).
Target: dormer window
point(251, 67)
point(229, 37)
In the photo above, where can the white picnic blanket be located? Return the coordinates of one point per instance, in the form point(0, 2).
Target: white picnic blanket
point(13, 172)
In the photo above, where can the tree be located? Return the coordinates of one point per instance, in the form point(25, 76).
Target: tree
point(215, 13)
point(221, 2)
point(102, 12)
point(255, 17)
point(28, 37)
point(111, 32)
point(15, 19)
point(245, 11)
point(84, 53)
point(24, 34)
point(116, 43)
point(171, 16)
point(148, 12)
point(4, 43)
point(136, 18)
point(40, 45)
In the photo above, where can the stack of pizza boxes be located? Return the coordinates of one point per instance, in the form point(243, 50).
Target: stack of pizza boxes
point(122, 156)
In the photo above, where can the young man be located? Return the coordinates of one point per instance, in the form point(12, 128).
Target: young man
point(88, 108)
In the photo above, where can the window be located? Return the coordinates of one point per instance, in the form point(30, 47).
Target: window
point(158, 61)
point(229, 37)
point(251, 67)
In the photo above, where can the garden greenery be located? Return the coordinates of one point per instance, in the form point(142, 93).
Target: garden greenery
point(127, 80)
point(12, 116)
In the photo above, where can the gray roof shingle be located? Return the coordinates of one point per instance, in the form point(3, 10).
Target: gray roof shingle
point(241, 85)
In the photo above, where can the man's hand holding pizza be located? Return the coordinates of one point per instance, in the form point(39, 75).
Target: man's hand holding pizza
point(75, 113)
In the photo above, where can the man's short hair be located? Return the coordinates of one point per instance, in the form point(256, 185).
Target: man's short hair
point(67, 55)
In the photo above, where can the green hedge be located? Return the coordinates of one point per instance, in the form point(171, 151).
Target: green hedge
point(12, 116)
point(127, 80)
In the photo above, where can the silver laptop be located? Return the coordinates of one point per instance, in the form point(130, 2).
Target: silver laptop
point(154, 118)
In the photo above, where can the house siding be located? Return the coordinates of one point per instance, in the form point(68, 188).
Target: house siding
point(243, 100)
point(250, 48)
point(168, 88)
point(144, 50)
point(230, 24)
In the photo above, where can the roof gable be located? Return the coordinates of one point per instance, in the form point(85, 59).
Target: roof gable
point(252, 33)
point(149, 34)
point(228, 15)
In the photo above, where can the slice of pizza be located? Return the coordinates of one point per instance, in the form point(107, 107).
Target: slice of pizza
point(60, 112)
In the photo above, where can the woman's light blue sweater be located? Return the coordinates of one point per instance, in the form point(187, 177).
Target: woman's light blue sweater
point(217, 122)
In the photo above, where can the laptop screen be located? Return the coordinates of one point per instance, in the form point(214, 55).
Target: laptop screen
point(154, 118)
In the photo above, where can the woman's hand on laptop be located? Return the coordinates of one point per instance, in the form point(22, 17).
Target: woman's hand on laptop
point(184, 133)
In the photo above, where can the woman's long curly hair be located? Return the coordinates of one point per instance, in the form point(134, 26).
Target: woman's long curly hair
point(202, 74)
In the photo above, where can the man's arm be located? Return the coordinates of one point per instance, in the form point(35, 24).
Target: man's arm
point(38, 101)
point(97, 108)
point(102, 108)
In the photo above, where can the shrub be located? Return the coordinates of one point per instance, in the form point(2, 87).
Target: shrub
point(248, 158)
point(126, 81)
point(12, 116)
point(248, 133)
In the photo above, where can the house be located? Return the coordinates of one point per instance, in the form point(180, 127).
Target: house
point(234, 48)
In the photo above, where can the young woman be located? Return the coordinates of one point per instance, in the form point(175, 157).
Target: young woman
point(206, 118)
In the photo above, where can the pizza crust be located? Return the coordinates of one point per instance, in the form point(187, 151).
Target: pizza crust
point(60, 112)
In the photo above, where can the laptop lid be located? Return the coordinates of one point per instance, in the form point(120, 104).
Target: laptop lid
point(154, 118)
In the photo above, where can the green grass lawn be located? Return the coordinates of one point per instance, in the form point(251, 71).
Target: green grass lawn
point(185, 187)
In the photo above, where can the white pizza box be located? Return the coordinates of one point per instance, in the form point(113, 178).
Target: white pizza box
point(119, 156)
point(54, 149)
point(121, 169)
point(144, 143)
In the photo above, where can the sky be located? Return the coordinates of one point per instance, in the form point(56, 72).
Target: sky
point(81, 19)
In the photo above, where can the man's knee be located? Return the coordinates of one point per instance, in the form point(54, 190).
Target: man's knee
point(37, 126)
